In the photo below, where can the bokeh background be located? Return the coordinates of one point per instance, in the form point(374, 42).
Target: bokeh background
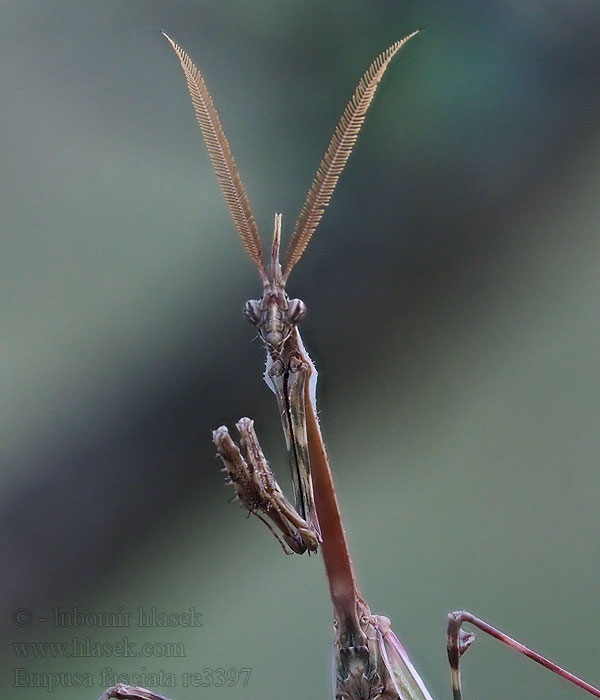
point(453, 290)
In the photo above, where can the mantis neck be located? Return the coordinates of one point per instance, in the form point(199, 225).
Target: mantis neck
point(336, 556)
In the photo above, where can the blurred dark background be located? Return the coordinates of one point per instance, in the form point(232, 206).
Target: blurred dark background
point(453, 291)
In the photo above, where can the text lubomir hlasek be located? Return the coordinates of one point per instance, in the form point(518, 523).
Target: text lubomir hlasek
point(140, 617)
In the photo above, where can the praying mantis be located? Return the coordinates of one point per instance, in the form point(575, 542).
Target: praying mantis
point(370, 663)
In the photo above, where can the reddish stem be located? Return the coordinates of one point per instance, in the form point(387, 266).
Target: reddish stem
point(456, 619)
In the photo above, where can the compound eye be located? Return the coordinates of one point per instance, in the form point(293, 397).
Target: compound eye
point(296, 310)
point(252, 311)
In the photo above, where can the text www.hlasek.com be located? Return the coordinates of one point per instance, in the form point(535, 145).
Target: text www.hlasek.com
point(85, 647)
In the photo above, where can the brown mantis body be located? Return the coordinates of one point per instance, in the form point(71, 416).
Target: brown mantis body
point(370, 663)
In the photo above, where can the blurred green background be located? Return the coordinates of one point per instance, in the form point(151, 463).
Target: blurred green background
point(453, 292)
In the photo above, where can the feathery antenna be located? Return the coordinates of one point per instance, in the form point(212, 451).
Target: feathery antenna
point(341, 144)
point(221, 157)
